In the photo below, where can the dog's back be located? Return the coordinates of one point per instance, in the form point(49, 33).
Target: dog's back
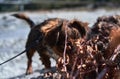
point(51, 35)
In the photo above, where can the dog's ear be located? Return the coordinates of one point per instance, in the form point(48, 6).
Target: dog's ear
point(82, 27)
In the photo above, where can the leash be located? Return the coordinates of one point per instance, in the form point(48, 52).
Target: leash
point(27, 49)
point(32, 45)
point(13, 57)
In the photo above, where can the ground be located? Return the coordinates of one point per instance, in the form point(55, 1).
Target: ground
point(13, 35)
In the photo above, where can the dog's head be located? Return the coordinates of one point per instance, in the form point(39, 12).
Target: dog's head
point(105, 23)
point(66, 30)
point(78, 28)
point(73, 29)
point(109, 19)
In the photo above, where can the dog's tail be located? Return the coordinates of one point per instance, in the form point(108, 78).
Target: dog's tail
point(26, 18)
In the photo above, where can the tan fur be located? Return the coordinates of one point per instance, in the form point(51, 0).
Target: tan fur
point(53, 33)
point(114, 41)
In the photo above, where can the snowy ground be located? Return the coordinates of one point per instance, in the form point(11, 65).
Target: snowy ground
point(13, 34)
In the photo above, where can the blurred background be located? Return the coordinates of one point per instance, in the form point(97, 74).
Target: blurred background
point(22, 5)
point(14, 32)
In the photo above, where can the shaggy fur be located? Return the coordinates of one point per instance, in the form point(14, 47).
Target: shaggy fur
point(89, 58)
point(107, 27)
point(51, 35)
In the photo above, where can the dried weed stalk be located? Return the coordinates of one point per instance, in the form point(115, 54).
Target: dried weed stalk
point(90, 58)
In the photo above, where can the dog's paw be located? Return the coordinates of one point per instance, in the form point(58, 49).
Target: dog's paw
point(28, 72)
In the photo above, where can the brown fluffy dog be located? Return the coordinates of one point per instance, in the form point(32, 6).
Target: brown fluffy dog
point(108, 29)
point(50, 36)
point(96, 52)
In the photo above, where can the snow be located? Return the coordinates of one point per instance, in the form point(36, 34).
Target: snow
point(13, 35)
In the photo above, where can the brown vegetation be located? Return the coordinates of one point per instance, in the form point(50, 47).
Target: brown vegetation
point(97, 57)
point(51, 35)
point(80, 52)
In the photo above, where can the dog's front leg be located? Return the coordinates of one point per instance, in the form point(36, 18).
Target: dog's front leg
point(44, 57)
